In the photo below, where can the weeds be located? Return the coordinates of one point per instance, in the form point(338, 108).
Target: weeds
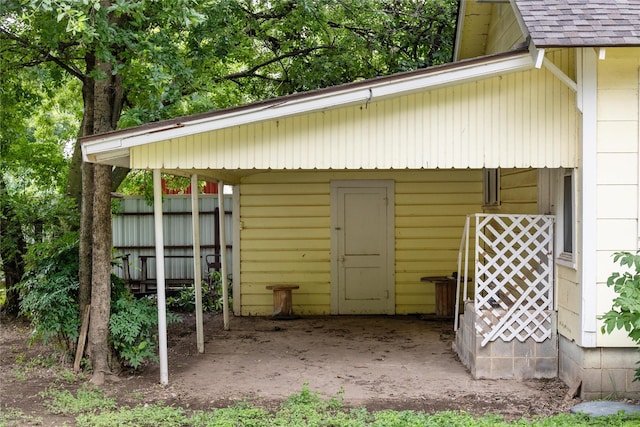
point(86, 400)
point(140, 416)
point(91, 407)
point(10, 417)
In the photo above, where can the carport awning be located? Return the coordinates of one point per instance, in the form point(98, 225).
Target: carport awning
point(495, 111)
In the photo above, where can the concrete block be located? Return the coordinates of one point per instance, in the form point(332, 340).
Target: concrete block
point(591, 395)
point(591, 358)
point(485, 351)
point(614, 381)
point(569, 373)
point(570, 350)
point(620, 358)
point(631, 386)
point(524, 367)
point(524, 349)
point(502, 367)
point(547, 348)
point(546, 367)
point(591, 381)
point(482, 368)
point(500, 348)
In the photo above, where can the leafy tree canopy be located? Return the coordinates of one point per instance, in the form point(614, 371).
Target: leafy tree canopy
point(180, 57)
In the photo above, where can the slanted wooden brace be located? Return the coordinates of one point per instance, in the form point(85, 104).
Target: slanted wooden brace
point(282, 300)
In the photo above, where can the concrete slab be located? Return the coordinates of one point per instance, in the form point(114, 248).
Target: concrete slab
point(602, 408)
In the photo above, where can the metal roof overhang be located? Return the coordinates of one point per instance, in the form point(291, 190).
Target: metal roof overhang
point(113, 148)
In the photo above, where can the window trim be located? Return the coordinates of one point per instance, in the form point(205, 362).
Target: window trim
point(565, 258)
point(491, 196)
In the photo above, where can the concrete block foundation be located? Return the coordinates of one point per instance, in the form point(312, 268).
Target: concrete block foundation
point(605, 373)
point(505, 360)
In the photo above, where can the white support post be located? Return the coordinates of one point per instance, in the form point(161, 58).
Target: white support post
point(588, 85)
point(162, 300)
point(223, 256)
point(197, 262)
point(235, 257)
point(460, 273)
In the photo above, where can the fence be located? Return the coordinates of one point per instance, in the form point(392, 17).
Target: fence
point(133, 236)
point(513, 276)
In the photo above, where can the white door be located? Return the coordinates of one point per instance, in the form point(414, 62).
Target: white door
point(362, 242)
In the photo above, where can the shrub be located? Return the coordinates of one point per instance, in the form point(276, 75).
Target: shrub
point(185, 300)
point(49, 291)
point(625, 312)
point(133, 325)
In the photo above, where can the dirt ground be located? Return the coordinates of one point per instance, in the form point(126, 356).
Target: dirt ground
point(381, 362)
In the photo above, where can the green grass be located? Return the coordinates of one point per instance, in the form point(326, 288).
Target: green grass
point(92, 409)
point(86, 401)
point(10, 417)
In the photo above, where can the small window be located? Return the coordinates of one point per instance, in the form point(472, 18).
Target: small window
point(491, 178)
point(567, 214)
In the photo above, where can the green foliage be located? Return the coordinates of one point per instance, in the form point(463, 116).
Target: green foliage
point(86, 400)
point(241, 414)
point(133, 326)
point(3, 293)
point(92, 407)
point(212, 299)
point(49, 291)
point(16, 417)
point(625, 312)
point(140, 416)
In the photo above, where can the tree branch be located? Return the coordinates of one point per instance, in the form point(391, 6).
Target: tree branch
point(46, 55)
point(251, 72)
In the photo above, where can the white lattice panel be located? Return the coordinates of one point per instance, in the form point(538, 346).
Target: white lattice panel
point(514, 276)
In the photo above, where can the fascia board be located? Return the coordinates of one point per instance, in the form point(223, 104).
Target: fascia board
point(348, 96)
point(521, 23)
point(462, 7)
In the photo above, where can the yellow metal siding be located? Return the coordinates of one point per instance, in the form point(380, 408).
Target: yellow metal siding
point(524, 119)
point(519, 191)
point(564, 59)
point(475, 29)
point(504, 31)
point(618, 188)
point(290, 243)
point(569, 300)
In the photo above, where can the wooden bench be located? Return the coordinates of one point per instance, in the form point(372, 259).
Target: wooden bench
point(147, 285)
point(282, 300)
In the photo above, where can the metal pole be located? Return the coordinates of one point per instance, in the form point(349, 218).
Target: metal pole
point(197, 264)
point(223, 255)
point(162, 300)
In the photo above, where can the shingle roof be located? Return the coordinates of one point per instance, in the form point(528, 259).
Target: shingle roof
point(582, 22)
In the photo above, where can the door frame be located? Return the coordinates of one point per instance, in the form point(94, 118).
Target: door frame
point(334, 232)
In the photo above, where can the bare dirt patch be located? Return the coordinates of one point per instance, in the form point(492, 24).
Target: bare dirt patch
point(392, 362)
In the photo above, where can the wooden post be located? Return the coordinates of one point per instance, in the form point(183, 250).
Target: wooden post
point(282, 300)
point(82, 338)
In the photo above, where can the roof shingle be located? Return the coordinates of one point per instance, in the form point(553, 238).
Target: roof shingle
point(554, 23)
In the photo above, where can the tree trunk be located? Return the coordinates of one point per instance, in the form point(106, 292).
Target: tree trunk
point(12, 248)
point(101, 274)
point(106, 109)
point(86, 238)
point(80, 186)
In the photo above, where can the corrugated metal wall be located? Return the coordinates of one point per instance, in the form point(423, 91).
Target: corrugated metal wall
point(133, 234)
point(523, 119)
